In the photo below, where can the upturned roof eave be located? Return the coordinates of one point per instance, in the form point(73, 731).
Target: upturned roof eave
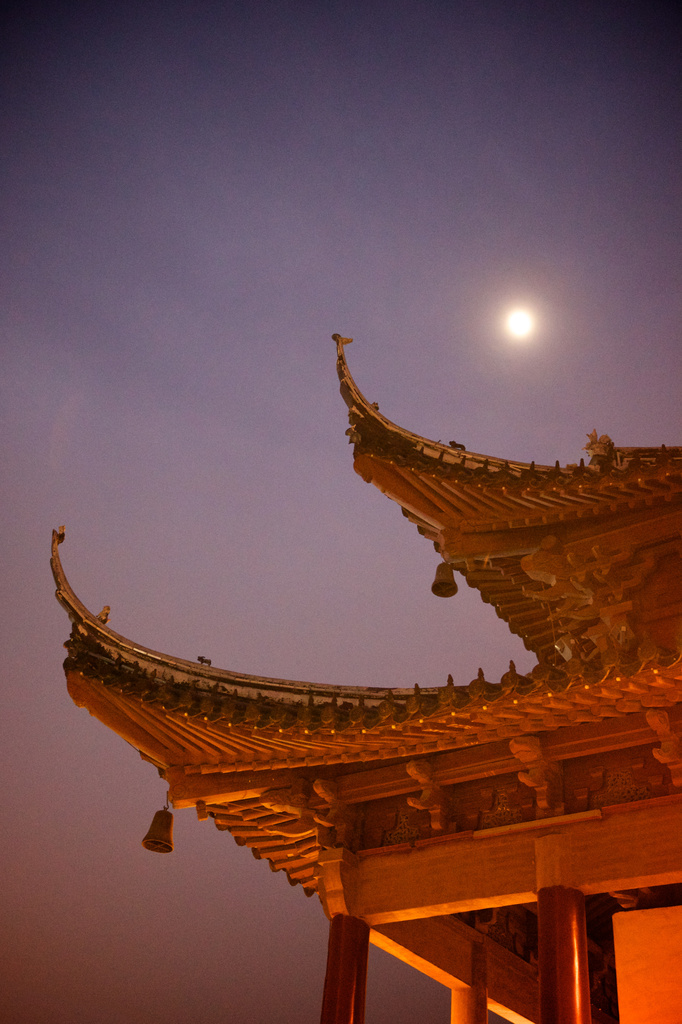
point(122, 683)
point(355, 400)
point(442, 458)
point(199, 675)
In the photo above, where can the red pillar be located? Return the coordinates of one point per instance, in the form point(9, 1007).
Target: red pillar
point(343, 1001)
point(562, 957)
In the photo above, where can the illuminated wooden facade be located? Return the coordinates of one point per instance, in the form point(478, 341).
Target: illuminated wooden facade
point(446, 824)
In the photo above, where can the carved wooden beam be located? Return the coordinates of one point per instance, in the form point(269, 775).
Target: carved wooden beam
point(626, 847)
point(450, 767)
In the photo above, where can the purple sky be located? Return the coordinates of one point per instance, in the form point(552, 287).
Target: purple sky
point(195, 196)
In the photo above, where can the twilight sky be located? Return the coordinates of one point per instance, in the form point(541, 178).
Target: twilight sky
point(195, 196)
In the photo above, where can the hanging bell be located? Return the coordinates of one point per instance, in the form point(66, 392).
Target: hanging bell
point(444, 584)
point(159, 839)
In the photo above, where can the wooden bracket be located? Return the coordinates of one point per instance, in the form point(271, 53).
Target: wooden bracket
point(432, 798)
point(337, 824)
point(337, 882)
point(670, 751)
point(541, 774)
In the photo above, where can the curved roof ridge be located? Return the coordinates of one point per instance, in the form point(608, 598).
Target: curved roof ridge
point(364, 410)
point(281, 722)
point(374, 433)
point(95, 628)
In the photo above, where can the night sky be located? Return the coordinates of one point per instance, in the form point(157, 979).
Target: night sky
point(195, 196)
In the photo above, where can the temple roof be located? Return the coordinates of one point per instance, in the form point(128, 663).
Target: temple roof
point(245, 722)
point(293, 768)
point(548, 546)
point(269, 759)
point(488, 493)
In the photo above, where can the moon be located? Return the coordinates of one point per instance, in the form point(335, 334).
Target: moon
point(520, 323)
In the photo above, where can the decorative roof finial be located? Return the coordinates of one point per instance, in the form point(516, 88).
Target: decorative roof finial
point(600, 449)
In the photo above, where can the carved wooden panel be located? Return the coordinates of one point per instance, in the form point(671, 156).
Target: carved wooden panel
point(612, 777)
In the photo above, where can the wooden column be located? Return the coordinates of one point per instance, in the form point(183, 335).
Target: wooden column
point(562, 956)
point(470, 1002)
point(343, 1001)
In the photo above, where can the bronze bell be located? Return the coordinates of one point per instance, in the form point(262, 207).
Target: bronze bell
point(444, 584)
point(159, 839)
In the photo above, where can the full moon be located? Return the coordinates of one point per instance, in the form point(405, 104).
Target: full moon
point(520, 323)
